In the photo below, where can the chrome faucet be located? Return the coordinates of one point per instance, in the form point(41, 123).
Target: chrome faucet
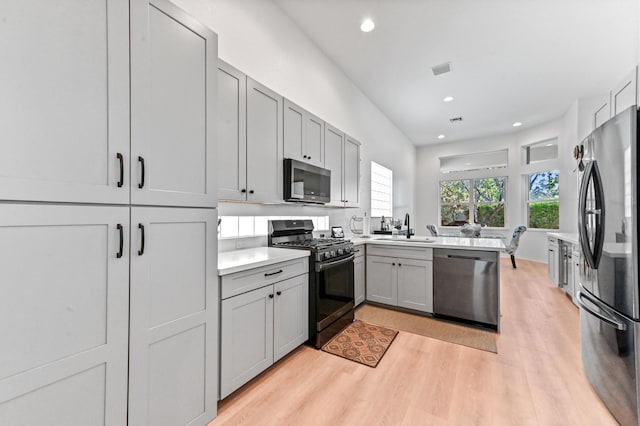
point(406, 222)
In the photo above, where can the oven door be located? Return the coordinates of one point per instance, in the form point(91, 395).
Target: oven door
point(334, 290)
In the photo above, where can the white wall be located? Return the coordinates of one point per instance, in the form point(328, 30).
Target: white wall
point(533, 244)
point(260, 40)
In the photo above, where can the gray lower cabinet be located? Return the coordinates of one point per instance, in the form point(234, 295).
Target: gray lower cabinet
point(173, 337)
point(359, 275)
point(400, 281)
point(261, 326)
point(63, 314)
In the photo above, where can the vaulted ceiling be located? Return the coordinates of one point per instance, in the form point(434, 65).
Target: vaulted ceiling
point(512, 60)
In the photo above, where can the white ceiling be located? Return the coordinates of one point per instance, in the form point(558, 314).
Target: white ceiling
point(512, 60)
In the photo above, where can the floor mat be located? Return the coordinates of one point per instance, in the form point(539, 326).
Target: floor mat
point(361, 342)
point(429, 327)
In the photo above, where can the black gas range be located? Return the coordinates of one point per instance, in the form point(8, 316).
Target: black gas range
point(331, 299)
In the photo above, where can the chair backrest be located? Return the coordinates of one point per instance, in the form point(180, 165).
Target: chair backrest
point(433, 229)
point(515, 239)
point(471, 231)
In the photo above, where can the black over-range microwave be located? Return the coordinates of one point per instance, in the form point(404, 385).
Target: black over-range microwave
point(306, 183)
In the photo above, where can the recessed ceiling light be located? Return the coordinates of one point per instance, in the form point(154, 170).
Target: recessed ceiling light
point(441, 136)
point(517, 124)
point(367, 25)
point(448, 99)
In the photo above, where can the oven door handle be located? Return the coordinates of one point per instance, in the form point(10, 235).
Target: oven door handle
point(324, 266)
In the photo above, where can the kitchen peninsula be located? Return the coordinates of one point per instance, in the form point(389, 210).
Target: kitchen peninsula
point(448, 277)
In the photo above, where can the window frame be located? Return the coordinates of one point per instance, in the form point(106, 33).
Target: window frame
point(528, 201)
point(472, 202)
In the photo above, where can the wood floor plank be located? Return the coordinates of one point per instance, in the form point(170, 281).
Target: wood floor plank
point(536, 378)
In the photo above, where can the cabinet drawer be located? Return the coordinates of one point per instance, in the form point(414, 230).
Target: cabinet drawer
point(402, 252)
point(359, 250)
point(252, 279)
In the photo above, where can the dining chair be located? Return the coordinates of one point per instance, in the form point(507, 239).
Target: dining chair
point(513, 244)
point(433, 229)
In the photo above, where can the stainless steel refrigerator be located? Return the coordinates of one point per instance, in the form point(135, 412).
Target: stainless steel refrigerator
point(609, 292)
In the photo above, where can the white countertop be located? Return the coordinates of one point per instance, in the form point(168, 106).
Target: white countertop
point(230, 262)
point(617, 249)
point(488, 244)
point(565, 236)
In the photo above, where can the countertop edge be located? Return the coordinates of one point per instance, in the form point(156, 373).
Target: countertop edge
point(274, 255)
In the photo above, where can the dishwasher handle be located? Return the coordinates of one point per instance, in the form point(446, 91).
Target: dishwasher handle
point(454, 256)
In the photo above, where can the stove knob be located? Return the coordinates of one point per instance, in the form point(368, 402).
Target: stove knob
point(327, 255)
point(340, 252)
point(347, 249)
point(333, 253)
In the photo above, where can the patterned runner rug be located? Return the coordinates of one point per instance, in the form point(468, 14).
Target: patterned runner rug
point(361, 342)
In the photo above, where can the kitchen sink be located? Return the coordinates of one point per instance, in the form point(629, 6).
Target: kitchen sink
point(402, 239)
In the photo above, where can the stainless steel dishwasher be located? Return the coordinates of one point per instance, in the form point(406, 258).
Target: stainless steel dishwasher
point(466, 285)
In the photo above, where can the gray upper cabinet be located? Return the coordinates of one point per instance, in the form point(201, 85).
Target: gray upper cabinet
point(303, 135)
point(625, 94)
point(603, 110)
point(173, 107)
point(64, 109)
point(250, 135)
point(232, 133)
point(334, 146)
point(342, 157)
point(264, 144)
point(351, 174)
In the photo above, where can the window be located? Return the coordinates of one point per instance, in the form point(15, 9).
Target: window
point(543, 203)
point(477, 161)
point(381, 191)
point(484, 197)
point(540, 151)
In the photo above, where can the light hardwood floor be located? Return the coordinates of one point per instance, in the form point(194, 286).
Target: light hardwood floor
point(535, 379)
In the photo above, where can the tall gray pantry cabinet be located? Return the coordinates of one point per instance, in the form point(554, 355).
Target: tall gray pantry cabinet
point(108, 313)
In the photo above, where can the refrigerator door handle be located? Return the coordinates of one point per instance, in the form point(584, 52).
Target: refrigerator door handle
point(604, 318)
point(592, 173)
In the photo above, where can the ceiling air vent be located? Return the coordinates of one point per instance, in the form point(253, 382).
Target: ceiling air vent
point(442, 68)
point(455, 119)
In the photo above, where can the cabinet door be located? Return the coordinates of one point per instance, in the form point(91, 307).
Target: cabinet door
point(415, 284)
point(351, 174)
point(552, 260)
point(314, 140)
point(63, 314)
point(624, 95)
point(294, 132)
point(333, 149)
point(174, 316)
point(264, 144)
point(232, 133)
point(382, 280)
point(246, 339)
point(64, 109)
point(603, 111)
point(173, 107)
point(290, 315)
point(359, 278)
